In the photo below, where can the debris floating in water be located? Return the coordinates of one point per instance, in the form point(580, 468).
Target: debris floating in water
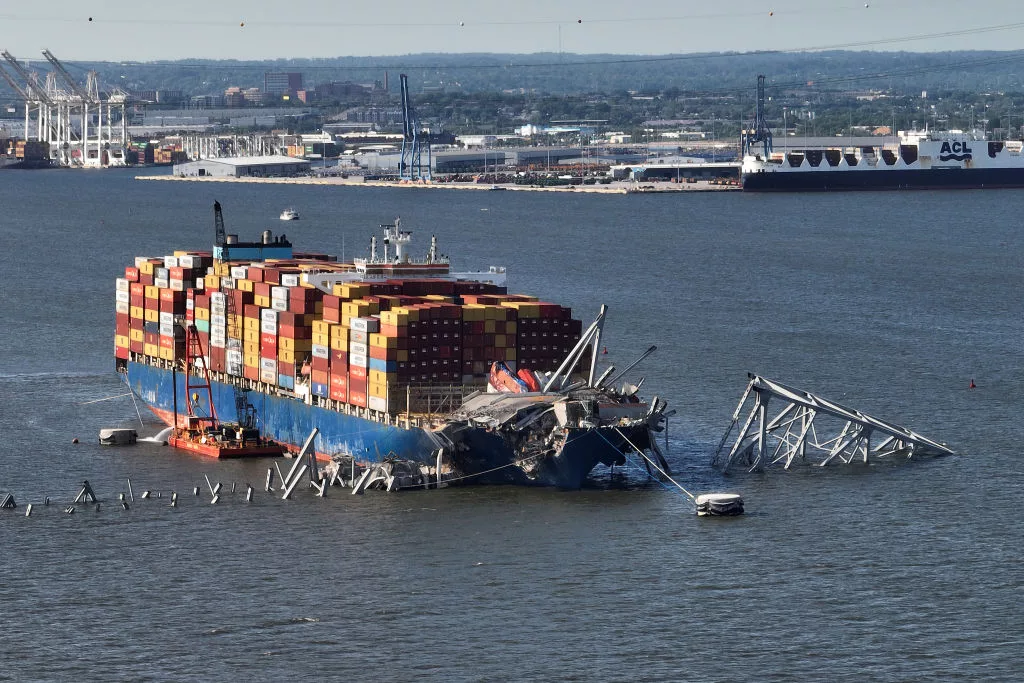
point(719, 505)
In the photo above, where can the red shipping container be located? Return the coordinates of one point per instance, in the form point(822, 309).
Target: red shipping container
point(319, 363)
point(320, 376)
point(250, 372)
point(356, 373)
point(255, 274)
point(137, 289)
point(339, 386)
point(269, 340)
point(295, 331)
point(339, 357)
point(260, 288)
point(357, 398)
point(136, 346)
point(268, 350)
point(131, 273)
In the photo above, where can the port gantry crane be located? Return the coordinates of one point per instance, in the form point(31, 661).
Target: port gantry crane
point(56, 110)
point(760, 132)
point(410, 167)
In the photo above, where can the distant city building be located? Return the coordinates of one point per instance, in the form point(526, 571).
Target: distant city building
point(169, 96)
point(282, 83)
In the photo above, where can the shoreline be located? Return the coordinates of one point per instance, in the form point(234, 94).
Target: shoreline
point(615, 187)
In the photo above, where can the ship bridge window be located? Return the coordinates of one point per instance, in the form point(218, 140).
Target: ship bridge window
point(994, 148)
point(851, 159)
point(908, 153)
point(795, 159)
point(814, 157)
point(832, 156)
point(889, 157)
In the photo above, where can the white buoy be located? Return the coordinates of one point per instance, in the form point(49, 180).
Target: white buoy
point(145, 495)
point(719, 505)
point(215, 499)
point(248, 494)
point(174, 499)
point(28, 510)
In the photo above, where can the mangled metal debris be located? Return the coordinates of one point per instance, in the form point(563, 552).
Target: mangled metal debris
point(809, 429)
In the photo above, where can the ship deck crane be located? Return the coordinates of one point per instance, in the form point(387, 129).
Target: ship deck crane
point(245, 411)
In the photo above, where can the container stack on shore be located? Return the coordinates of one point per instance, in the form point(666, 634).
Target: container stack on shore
point(361, 344)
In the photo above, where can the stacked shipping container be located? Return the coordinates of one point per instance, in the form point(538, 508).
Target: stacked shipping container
point(362, 344)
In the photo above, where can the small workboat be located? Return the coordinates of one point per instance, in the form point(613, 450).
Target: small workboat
point(289, 215)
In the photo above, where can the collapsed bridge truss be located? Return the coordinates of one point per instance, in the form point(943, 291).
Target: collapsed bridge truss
point(812, 430)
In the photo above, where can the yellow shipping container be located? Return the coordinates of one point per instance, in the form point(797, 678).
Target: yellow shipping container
point(525, 309)
point(412, 314)
point(251, 335)
point(244, 285)
point(222, 268)
point(393, 317)
point(321, 327)
point(137, 312)
point(166, 354)
point(321, 339)
point(151, 350)
point(440, 298)
point(136, 335)
point(510, 354)
point(303, 347)
point(339, 344)
point(152, 316)
point(146, 267)
point(251, 347)
point(252, 324)
point(211, 282)
point(286, 343)
point(202, 313)
point(251, 359)
point(261, 301)
point(510, 327)
point(499, 341)
point(152, 292)
point(381, 377)
point(474, 312)
point(339, 332)
point(121, 340)
point(489, 326)
point(381, 341)
point(351, 290)
point(378, 390)
point(285, 355)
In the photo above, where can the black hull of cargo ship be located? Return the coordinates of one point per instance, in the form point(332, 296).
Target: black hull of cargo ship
point(871, 179)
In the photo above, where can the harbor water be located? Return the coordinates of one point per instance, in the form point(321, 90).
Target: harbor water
point(892, 303)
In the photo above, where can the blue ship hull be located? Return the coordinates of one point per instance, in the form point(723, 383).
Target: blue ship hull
point(872, 179)
point(287, 420)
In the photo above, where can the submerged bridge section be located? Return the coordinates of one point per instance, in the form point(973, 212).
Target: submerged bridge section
point(811, 430)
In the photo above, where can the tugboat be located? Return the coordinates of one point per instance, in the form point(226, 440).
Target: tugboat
point(205, 434)
point(289, 215)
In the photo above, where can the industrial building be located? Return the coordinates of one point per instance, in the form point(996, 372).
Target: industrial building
point(244, 167)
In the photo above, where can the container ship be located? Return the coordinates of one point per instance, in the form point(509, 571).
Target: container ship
point(917, 160)
point(390, 358)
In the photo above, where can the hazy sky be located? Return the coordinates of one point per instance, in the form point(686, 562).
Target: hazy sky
point(263, 29)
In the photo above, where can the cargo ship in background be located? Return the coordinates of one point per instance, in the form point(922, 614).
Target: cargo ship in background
point(388, 357)
point(914, 160)
point(918, 160)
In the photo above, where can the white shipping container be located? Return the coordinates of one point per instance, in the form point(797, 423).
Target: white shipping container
point(269, 365)
point(167, 329)
point(217, 298)
point(290, 279)
point(200, 284)
point(365, 324)
point(357, 336)
point(269, 315)
point(121, 285)
point(321, 351)
point(216, 342)
point(359, 349)
point(218, 320)
point(277, 292)
point(122, 296)
point(161, 273)
point(279, 304)
point(170, 261)
point(166, 318)
point(227, 283)
point(190, 304)
point(233, 356)
point(358, 360)
point(233, 368)
point(122, 307)
point(234, 345)
point(176, 285)
point(268, 377)
point(267, 327)
point(139, 260)
point(239, 272)
point(377, 403)
point(186, 261)
point(161, 282)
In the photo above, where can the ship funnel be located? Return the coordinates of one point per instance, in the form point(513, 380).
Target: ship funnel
point(268, 237)
point(231, 239)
